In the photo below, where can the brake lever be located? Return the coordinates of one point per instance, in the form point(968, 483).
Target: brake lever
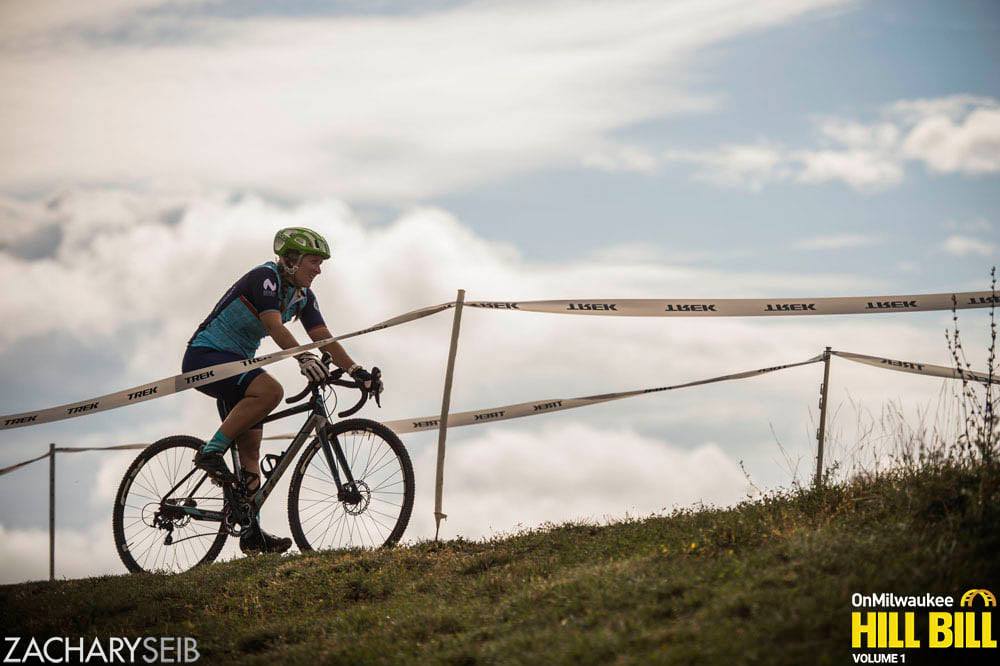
point(377, 382)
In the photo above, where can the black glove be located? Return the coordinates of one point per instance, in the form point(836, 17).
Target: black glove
point(364, 378)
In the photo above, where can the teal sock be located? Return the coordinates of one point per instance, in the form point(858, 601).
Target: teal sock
point(218, 444)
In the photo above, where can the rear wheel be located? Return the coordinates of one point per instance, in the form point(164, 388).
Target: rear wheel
point(377, 515)
point(151, 532)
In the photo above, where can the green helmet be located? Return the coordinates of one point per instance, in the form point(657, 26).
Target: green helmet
point(300, 239)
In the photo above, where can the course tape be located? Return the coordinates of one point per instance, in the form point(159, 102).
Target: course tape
point(8, 470)
point(918, 368)
point(548, 406)
point(750, 307)
point(622, 307)
point(189, 380)
point(533, 408)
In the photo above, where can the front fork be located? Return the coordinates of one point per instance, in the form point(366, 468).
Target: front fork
point(346, 492)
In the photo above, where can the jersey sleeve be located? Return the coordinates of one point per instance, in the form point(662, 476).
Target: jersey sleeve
point(262, 289)
point(310, 316)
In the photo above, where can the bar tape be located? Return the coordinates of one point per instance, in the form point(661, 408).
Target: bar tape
point(751, 307)
point(918, 368)
point(189, 380)
point(548, 406)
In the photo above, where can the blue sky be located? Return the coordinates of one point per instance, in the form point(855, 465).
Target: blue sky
point(518, 150)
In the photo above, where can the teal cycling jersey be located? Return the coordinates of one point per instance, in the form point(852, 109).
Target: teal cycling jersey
point(234, 324)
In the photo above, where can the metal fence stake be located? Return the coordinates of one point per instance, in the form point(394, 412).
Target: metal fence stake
point(445, 406)
point(52, 511)
point(821, 433)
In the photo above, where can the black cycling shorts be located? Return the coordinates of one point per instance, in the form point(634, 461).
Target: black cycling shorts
point(227, 392)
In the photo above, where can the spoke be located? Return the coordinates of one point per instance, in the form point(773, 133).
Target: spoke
point(314, 503)
point(382, 466)
point(377, 524)
point(366, 529)
point(380, 458)
point(383, 485)
point(318, 479)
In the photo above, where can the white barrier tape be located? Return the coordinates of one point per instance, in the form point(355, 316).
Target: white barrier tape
point(749, 307)
point(917, 368)
point(189, 380)
point(120, 447)
point(534, 408)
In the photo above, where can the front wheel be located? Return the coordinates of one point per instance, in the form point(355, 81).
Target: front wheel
point(376, 515)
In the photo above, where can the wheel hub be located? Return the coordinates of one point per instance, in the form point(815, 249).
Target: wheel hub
point(355, 503)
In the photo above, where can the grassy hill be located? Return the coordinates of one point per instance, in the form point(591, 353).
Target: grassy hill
point(769, 582)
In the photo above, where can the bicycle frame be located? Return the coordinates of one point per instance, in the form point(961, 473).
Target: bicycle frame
point(333, 453)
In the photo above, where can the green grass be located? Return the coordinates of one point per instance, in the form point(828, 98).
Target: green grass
point(766, 582)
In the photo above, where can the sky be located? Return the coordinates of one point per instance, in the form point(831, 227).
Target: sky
point(518, 150)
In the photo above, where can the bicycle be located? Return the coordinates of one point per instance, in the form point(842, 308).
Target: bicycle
point(352, 487)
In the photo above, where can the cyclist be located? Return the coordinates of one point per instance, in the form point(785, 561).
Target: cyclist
point(259, 304)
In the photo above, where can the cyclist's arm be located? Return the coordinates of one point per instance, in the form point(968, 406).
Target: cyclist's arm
point(340, 357)
point(277, 330)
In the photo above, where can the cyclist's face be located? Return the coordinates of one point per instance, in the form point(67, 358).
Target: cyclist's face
point(308, 269)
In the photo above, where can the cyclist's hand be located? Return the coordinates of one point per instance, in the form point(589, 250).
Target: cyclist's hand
point(312, 367)
point(364, 378)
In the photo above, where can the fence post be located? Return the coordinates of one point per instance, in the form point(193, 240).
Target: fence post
point(445, 405)
point(52, 511)
point(821, 433)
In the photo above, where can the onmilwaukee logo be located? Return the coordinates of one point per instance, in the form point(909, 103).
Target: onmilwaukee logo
point(79, 409)
point(498, 305)
point(789, 307)
point(593, 306)
point(902, 364)
point(690, 307)
point(889, 305)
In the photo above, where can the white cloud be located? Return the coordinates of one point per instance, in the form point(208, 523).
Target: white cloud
point(570, 472)
point(751, 166)
point(954, 107)
point(621, 157)
point(959, 134)
point(19, 21)
point(971, 146)
point(962, 246)
point(79, 553)
point(863, 170)
point(378, 107)
point(837, 242)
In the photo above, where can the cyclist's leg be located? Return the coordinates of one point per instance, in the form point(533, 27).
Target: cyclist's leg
point(242, 402)
point(248, 444)
point(256, 540)
point(261, 396)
